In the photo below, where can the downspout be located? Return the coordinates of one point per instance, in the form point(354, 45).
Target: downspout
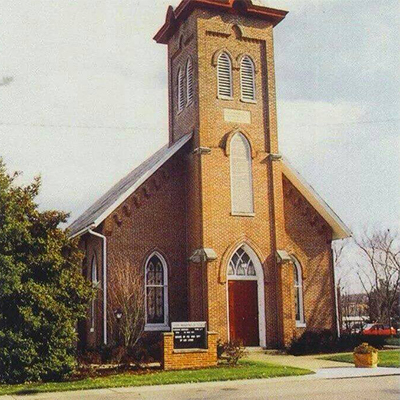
point(336, 295)
point(104, 239)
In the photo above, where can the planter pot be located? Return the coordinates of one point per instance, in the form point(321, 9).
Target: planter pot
point(369, 360)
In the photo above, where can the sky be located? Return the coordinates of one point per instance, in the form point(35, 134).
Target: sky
point(88, 100)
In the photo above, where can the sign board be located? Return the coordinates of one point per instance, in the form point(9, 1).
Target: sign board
point(237, 116)
point(189, 335)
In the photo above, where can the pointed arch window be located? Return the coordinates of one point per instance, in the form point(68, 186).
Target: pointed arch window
point(241, 264)
point(247, 79)
point(189, 82)
point(156, 293)
point(224, 75)
point(181, 90)
point(94, 280)
point(298, 293)
point(241, 176)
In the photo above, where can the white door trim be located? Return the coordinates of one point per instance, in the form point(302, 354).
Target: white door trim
point(260, 291)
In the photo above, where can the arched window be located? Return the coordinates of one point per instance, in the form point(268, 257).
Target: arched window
point(298, 293)
point(241, 175)
point(241, 264)
point(247, 79)
point(93, 278)
point(189, 82)
point(156, 293)
point(181, 90)
point(224, 75)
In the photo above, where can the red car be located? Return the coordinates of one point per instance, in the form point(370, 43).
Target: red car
point(379, 330)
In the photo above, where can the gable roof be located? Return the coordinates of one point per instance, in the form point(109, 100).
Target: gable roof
point(104, 206)
point(339, 229)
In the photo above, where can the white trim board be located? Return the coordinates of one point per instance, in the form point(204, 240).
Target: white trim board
point(339, 229)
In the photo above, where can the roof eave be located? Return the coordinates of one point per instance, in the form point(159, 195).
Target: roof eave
point(339, 228)
point(97, 221)
point(174, 17)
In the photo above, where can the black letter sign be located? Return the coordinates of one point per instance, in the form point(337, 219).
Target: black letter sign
point(189, 335)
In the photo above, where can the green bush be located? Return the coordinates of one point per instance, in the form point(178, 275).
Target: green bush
point(42, 290)
point(325, 341)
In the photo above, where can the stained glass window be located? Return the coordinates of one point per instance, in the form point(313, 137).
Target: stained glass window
point(155, 291)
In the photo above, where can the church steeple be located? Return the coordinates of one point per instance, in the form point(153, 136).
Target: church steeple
point(219, 53)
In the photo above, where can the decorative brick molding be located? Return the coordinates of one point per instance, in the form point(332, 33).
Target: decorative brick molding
point(188, 358)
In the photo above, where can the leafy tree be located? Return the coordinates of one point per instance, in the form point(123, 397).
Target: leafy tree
point(42, 290)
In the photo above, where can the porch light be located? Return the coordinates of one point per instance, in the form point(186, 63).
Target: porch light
point(118, 314)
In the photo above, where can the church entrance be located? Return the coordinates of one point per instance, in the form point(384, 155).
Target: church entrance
point(246, 298)
point(243, 312)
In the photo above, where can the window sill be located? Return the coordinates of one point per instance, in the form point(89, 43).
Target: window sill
point(300, 324)
point(225, 98)
point(248, 101)
point(238, 214)
point(156, 328)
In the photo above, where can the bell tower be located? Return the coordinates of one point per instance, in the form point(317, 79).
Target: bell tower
point(222, 90)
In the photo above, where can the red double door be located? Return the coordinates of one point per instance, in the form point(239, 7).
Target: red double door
point(243, 312)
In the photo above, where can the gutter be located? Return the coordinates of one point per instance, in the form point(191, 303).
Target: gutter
point(104, 239)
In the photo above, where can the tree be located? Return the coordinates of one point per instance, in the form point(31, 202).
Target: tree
point(42, 290)
point(127, 297)
point(379, 274)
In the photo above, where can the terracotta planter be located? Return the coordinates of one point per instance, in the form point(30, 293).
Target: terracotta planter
point(369, 360)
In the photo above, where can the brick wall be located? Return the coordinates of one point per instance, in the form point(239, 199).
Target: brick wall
point(187, 204)
point(189, 358)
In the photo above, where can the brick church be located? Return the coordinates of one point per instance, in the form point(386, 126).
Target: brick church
point(219, 225)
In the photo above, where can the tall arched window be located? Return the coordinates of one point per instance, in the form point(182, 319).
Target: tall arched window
point(247, 79)
point(298, 293)
point(156, 293)
point(181, 90)
point(224, 75)
point(241, 175)
point(189, 82)
point(93, 278)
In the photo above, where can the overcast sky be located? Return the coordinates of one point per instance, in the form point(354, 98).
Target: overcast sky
point(89, 98)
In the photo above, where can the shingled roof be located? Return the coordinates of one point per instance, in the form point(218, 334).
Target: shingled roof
point(103, 207)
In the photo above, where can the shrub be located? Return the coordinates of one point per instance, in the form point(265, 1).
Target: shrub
point(312, 342)
point(325, 341)
point(42, 290)
point(231, 352)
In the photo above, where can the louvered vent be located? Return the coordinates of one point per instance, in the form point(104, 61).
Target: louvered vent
point(224, 70)
point(181, 90)
point(189, 82)
point(247, 79)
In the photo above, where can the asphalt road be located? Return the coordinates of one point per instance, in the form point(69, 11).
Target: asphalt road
point(371, 388)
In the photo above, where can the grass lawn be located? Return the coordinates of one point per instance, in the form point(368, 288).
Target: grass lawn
point(387, 358)
point(245, 370)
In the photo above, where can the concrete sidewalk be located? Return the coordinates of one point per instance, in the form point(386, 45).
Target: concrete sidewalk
point(314, 363)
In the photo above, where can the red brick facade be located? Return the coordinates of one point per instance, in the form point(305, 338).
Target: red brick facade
point(186, 205)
